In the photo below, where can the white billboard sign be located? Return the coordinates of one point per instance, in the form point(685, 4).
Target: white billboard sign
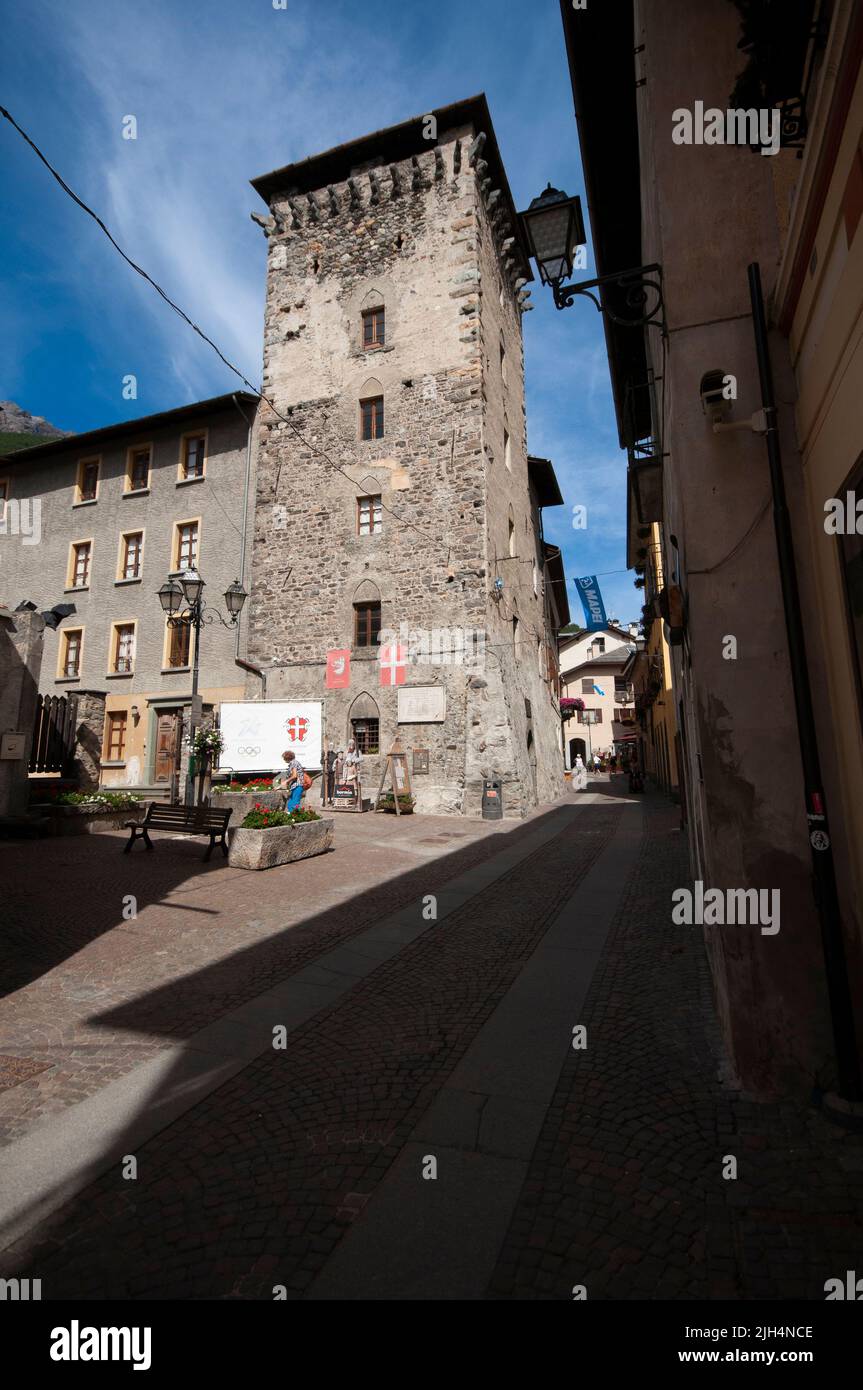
point(256, 733)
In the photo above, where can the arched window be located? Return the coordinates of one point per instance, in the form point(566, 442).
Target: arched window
point(372, 410)
point(364, 723)
point(367, 615)
point(373, 321)
point(511, 537)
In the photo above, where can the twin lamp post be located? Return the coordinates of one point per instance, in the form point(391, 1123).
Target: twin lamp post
point(183, 601)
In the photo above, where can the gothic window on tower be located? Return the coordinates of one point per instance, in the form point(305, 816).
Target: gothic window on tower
point(369, 516)
point(367, 624)
point(372, 412)
point(374, 328)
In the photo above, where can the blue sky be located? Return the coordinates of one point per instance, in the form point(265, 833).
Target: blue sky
point(224, 91)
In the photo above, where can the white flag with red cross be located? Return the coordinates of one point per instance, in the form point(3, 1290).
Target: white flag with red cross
point(393, 663)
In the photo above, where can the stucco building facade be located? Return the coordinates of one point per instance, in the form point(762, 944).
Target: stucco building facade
point(699, 213)
point(112, 513)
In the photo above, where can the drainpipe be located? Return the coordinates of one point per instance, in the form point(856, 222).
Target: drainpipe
point(823, 867)
point(256, 671)
point(249, 426)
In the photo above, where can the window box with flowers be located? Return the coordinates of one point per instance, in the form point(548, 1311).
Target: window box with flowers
point(570, 706)
point(269, 837)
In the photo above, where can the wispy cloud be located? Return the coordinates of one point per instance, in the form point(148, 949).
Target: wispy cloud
point(223, 92)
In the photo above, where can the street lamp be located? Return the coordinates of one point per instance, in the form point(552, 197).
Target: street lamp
point(553, 227)
point(187, 595)
point(235, 597)
point(171, 597)
point(192, 585)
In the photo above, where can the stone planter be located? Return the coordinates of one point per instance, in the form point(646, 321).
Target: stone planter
point(241, 803)
point(281, 844)
point(85, 820)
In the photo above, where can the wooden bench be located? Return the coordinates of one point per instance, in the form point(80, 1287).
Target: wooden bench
point(191, 820)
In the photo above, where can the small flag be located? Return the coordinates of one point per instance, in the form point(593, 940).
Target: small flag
point(338, 669)
point(597, 689)
point(393, 660)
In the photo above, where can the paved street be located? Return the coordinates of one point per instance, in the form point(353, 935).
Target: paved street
point(427, 1130)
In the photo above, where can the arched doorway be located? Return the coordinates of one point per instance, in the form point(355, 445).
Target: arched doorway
point(577, 747)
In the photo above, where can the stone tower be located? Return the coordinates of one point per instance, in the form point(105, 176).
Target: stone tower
point(397, 492)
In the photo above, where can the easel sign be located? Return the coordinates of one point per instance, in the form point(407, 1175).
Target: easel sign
point(396, 769)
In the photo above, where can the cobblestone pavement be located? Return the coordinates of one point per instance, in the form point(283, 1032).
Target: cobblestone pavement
point(625, 1194)
point(89, 993)
point(257, 1185)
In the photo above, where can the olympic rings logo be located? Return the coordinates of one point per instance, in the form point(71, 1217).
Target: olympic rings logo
point(248, 752)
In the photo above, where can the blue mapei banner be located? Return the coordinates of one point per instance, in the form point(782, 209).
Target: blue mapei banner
point(591, 602)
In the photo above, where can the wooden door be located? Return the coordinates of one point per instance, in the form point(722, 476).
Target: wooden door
point(166, 746)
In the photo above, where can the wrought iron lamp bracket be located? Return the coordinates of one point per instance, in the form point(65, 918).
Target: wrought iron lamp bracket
point(200, 613)
point(643, 296)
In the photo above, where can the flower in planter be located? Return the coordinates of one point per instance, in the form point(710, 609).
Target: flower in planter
point(263, 817)
point(98, 800)
point(206, 743)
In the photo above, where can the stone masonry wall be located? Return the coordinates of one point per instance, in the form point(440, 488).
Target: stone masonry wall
point(413, 237)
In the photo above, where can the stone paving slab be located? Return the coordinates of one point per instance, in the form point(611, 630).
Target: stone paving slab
point(496, 1096)
point(451, 1243)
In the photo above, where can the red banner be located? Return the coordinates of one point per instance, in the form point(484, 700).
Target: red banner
point(338, 669)
point(393, 664)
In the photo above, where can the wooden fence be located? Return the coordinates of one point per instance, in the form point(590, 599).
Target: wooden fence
point(54, 733)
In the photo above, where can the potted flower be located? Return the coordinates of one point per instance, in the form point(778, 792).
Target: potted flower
point(387, 803)
point(206, 744)
point(269, 836)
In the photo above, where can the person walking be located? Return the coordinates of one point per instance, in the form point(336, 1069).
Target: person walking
point(292, 779)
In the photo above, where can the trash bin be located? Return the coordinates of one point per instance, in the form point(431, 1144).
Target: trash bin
point(492, 799)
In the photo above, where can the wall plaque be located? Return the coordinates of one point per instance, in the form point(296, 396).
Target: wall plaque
point(421, 760)
point(421, 704)
point(12, 746)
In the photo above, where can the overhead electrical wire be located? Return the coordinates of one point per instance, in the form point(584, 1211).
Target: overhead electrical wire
point(259, 393)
